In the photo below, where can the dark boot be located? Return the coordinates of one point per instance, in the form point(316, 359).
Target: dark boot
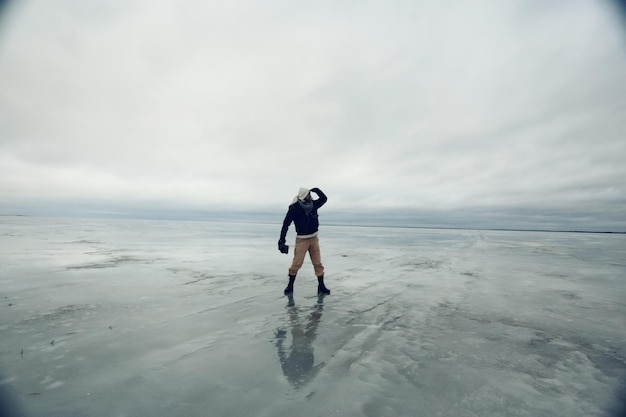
point(289, 289)
point(321, 288)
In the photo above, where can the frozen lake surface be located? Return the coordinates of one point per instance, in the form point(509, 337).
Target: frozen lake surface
point(156, 318)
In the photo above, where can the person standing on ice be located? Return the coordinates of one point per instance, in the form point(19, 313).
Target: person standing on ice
point(303, 213)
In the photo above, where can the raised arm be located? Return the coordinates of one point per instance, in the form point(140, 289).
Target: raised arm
point(322, 199)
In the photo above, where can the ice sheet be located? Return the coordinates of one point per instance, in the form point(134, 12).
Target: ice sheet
point(131, 317)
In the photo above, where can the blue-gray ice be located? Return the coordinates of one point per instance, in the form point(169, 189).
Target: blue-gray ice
point(155, 318)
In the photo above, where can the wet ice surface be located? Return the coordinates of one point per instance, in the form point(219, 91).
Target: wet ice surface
point(129, 318)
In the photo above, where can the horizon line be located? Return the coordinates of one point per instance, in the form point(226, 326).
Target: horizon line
point(331, 224)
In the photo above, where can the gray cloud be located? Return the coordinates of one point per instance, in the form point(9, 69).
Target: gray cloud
point(517, 105)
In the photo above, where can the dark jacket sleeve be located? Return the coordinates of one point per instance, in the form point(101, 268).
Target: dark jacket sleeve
point(286, 223)
point(322, 198)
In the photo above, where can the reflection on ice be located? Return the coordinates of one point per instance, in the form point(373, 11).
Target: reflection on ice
point(295, 353)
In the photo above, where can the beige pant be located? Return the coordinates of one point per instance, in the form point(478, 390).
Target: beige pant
point(311, 245)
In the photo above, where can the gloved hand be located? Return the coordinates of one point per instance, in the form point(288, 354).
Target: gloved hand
point(282, 247)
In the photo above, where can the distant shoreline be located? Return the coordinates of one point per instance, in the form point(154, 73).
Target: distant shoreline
point(335, 224)
point(485, 229)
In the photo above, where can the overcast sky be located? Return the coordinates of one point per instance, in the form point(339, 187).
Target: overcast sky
point(432, 105)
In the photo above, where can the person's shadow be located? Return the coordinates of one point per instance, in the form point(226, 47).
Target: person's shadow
point(297, 360)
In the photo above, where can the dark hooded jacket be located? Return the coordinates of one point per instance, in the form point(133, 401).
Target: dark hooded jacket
point(305, 224)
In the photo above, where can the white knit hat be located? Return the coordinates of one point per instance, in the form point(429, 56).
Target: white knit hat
point(302, 193)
